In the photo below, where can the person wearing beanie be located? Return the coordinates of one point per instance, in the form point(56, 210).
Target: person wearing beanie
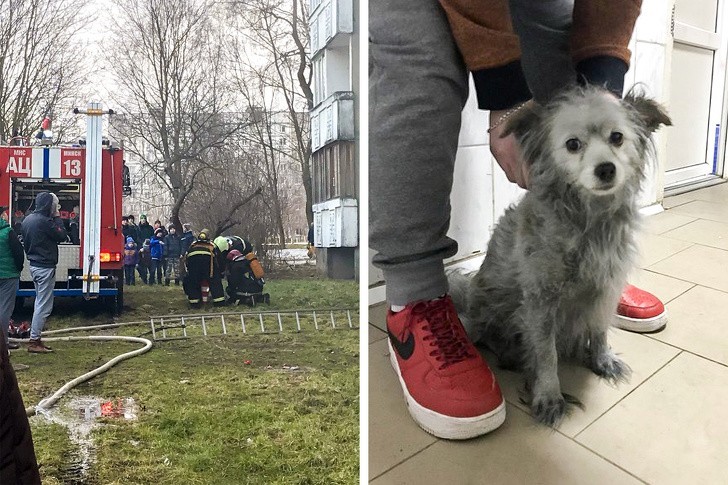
point(145, 261)
point(43, 230)
point(173, 252)
point(12, 259)
point(156, 246)
point(131, 259)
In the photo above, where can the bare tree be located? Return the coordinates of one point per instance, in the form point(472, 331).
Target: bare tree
point(41, 63)
point(167, 56)
point(278, 32)
point(222, 197)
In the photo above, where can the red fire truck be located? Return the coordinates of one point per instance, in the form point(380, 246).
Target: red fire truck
point(88, 182)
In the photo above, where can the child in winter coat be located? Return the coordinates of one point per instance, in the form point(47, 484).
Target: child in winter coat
point(131, 259)
point(156, 246)
point(145, 261)
point(173, 252)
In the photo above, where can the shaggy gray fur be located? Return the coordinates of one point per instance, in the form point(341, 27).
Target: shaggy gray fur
point(558, 261)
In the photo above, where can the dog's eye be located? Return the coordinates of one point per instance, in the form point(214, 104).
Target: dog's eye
point(573, 145)
point(616, 138)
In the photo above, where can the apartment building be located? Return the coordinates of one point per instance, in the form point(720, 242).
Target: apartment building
point(334, 128)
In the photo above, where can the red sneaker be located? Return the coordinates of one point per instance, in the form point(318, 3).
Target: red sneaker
point(449, 389)
point(640, 311)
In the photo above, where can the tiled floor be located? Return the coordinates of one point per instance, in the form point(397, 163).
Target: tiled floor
point(668, 425)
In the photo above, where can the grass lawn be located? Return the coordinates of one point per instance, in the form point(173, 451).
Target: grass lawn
point(204, 415)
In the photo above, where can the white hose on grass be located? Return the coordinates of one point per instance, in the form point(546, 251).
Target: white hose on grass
point(48, 402)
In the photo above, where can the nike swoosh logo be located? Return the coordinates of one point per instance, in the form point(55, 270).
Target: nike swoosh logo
point(404, 349)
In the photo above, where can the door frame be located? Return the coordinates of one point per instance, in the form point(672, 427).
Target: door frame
point(713, 166)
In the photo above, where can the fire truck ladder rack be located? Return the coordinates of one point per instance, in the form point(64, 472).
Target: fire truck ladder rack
point(175, 327)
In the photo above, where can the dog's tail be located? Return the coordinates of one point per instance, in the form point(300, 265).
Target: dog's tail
point(459, 281)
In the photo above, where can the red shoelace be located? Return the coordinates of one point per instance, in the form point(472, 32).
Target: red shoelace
point(445, 332)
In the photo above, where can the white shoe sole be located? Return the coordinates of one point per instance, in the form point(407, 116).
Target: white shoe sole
point(448, 427)
point(641, 325)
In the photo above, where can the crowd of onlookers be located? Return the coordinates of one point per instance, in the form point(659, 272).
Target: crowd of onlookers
point(158, 253)
point(154, 251)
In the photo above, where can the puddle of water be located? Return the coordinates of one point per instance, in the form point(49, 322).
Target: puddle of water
point(80, 417)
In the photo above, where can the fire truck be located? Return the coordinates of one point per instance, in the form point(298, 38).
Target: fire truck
point(87, 178)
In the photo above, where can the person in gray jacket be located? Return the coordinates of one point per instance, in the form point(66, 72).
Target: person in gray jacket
point(42, 232)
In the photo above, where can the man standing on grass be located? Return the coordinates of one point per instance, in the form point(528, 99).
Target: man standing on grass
point(11, 264)
point(42, 231)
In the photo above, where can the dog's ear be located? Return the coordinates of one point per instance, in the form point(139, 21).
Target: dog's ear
point(522, 120)
point(650, 112)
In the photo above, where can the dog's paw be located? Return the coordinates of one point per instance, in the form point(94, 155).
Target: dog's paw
point(549, 410)
point(611, 368)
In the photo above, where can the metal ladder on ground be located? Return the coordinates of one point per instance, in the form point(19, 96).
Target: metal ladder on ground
point(174, 327)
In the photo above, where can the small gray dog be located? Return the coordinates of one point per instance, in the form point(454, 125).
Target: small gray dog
point(557, 262)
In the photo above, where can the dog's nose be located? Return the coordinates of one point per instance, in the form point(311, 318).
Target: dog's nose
point(605, 171)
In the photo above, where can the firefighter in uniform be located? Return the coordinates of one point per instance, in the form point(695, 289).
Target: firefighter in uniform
point(201, 263)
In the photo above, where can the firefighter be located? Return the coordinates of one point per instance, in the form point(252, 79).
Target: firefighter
point(238, 243)
point(201, 264)
point(223, 249)
point(245, 278)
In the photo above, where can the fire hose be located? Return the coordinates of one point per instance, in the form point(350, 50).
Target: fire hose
point(48, 402)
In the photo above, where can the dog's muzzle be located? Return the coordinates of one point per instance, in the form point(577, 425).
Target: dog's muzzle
point(606, 172)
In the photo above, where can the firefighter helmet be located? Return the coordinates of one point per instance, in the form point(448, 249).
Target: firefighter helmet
point(221, 243)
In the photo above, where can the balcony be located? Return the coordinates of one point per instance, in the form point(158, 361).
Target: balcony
point(331, 24)
point(336, 223)
point(333, 120)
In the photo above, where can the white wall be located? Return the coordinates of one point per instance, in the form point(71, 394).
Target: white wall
point(338, 70)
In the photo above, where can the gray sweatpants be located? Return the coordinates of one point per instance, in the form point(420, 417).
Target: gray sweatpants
point(44, 280)
point(8, 289)
point(418, 86)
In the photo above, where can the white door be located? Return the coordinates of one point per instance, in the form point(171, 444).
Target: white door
point(697, 87)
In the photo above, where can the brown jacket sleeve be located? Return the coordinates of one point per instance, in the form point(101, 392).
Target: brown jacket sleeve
point(485, 36)
point(603, 28)
point(483, 32)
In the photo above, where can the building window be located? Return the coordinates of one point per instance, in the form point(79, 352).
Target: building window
point(328, 116)
point(327, 16)
point(334, 172)
point(314, 34)
point(315, 142)
point(319, 79)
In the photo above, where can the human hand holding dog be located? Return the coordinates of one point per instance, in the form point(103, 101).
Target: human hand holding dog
point(506, 152)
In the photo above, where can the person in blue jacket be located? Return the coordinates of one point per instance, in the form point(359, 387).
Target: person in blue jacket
point(156, 246)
